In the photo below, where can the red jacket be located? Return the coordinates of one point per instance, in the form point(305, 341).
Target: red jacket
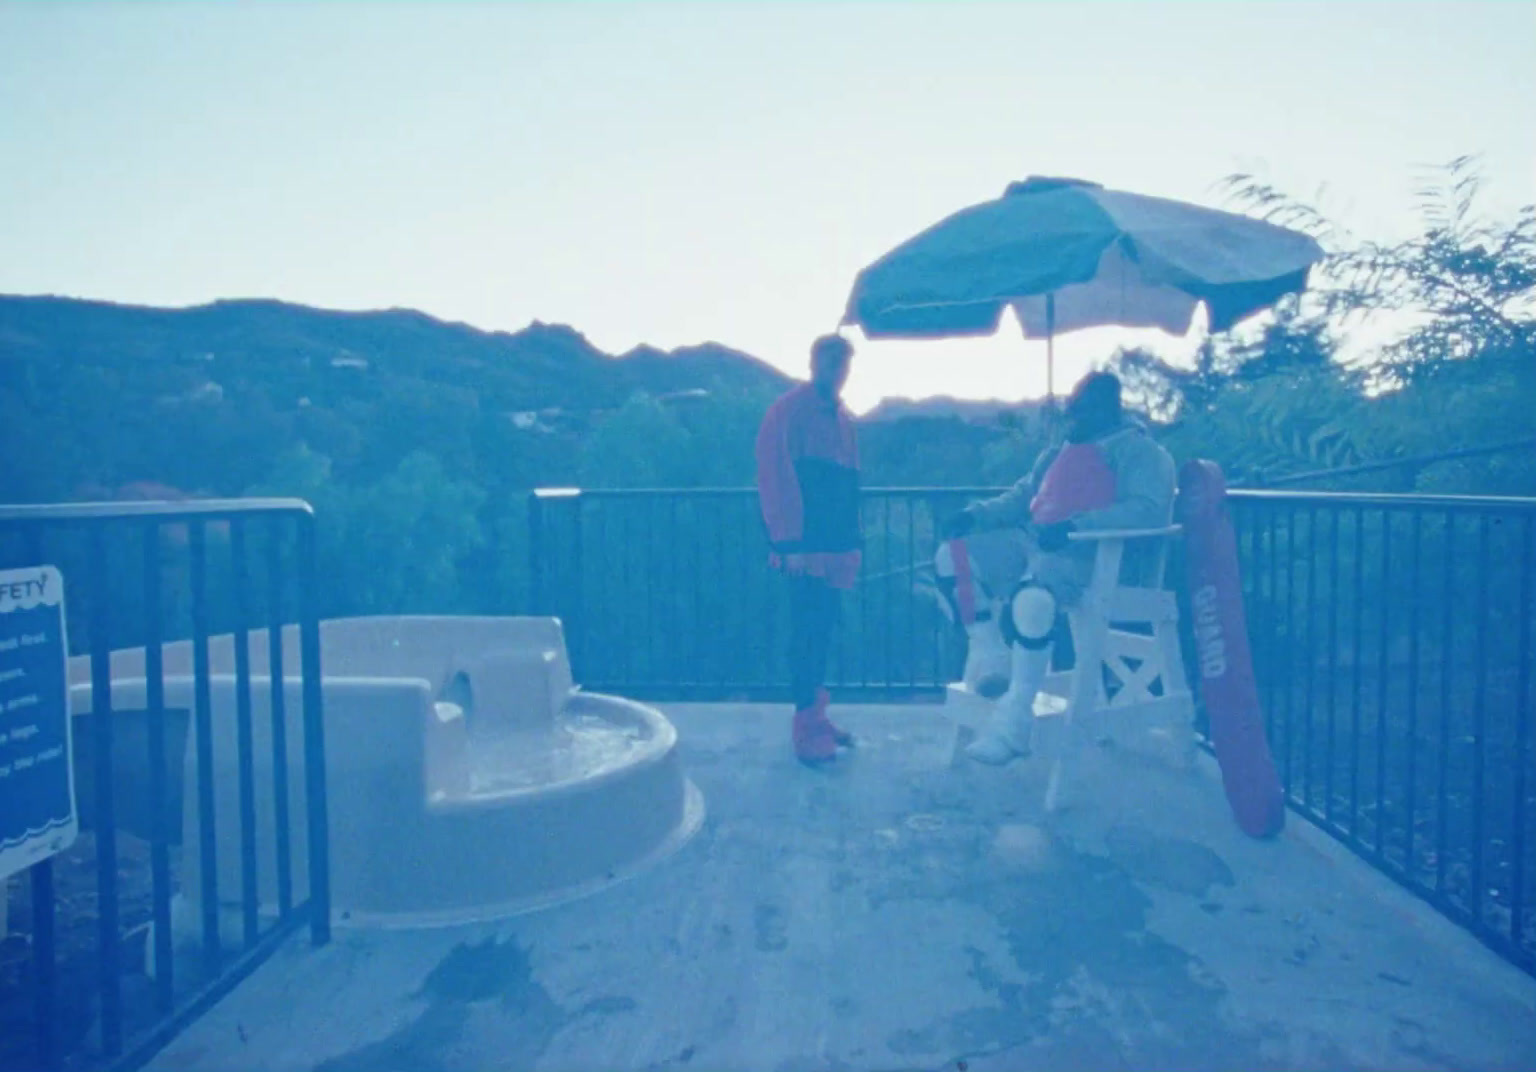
point(1078, 480)
point(808, 484)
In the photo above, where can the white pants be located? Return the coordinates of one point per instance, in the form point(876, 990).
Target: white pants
point(1001, 558)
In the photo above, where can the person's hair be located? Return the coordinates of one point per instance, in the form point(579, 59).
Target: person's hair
point(1099, 389)
point(831, 348)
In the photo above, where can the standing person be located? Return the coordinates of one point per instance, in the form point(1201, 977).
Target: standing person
point(1014, 556)
point(808, 490)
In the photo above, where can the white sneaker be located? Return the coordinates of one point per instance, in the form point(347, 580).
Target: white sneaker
point(1008, 732)
point(1006, 737)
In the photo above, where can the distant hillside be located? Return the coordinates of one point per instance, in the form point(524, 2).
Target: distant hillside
point(95, 395)
point(542, 365)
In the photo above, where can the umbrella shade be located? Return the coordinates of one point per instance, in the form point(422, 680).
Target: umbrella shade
point(1093, 257)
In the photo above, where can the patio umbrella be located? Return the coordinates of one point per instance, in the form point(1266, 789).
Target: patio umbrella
point(1069, 254)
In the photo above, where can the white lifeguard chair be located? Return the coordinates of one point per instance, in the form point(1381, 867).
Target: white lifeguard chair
point(1128, 674)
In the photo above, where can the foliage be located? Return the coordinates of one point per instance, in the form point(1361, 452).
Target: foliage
point(418, 442)
point(392, 545)
point(1462, 373)
point(1468, 281)
point(703, 442)
point(1272, 404)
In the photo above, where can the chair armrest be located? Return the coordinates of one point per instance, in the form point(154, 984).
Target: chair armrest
point(1128, 534)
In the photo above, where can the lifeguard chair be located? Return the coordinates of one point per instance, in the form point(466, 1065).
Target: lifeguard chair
point(1128, 675)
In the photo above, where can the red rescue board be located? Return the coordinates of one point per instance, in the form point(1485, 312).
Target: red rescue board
point(1225, 660)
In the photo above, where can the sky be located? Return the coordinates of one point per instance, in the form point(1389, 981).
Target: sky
point(675, 173)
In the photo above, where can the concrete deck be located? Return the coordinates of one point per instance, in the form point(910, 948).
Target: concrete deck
point(910, 910)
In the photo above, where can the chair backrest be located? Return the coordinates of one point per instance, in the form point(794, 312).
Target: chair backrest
point(1142, 553)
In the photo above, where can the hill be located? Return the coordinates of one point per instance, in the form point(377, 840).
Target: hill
point(95, 395)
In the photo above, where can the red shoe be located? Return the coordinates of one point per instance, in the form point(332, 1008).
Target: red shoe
point(842, 737)
point(813, 736)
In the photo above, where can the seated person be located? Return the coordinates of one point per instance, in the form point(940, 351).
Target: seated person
point(1007, 566)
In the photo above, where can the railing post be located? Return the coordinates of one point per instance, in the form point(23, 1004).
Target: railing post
point(314, 738)
point(574, 617)
point(109, 940)
point(1525, 608)
point(161, 820)
point(279, 718)
point(535, 553)
point(45, 966)
point(202, 702)
point(244, 738)
point(540, 595)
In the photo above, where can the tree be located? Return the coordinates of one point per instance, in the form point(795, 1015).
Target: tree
point(1461, 372)
point(722, 430)
point(641, 444)
point(1467, 281)
point(391, 546)
point(1275, 402)
point(406, 536)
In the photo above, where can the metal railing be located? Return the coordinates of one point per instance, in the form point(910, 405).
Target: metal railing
point(1391, 638)
point(667, 594)
point(1410, 467)
point(1392, 643)
point(164, 577)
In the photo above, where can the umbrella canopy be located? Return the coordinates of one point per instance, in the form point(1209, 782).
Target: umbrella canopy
point(1068, 254)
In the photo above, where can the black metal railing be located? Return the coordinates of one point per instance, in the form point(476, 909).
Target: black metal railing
point(1407, 468)
point(110, 975)
point(1391, 639)
point(1392, 644)
point(668, 593)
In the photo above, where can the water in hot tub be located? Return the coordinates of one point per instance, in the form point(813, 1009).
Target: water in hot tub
point(578, 745)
